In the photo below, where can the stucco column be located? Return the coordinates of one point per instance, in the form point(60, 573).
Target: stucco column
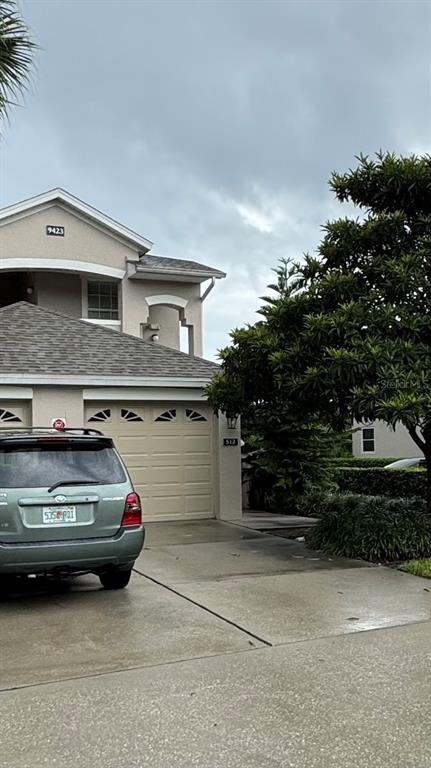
point(134, 308)
point(229, 501)
point(193, 320)
point(169, 321)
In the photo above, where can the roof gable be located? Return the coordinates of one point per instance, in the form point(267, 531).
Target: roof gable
point(67, 200)
point(37, 341)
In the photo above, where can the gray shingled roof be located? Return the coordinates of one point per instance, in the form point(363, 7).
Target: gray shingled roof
point(34, 340)
point(162, 263)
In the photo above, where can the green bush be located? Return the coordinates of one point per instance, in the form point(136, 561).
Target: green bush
point(374, 528)
point(397, 483)
point(358, 461)
point(312, 504)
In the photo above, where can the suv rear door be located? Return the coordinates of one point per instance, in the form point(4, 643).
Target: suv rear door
point(59, 488)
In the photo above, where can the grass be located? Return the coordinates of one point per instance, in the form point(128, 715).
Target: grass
point(420, 567)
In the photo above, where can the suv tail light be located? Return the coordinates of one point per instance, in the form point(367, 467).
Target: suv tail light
point(132, 514)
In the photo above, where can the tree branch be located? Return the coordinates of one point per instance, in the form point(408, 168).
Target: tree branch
point(416, 439)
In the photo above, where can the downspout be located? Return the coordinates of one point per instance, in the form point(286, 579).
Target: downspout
point(208, 290)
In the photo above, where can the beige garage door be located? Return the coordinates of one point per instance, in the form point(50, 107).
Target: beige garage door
point(167, 449)
point(14, 413)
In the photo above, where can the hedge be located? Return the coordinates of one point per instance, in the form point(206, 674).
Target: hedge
point(374, 528)
point(397, 483)
point(358, 461)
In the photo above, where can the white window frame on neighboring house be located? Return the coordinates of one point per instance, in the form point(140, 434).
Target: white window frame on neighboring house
point(364, 440)
point(94, 313)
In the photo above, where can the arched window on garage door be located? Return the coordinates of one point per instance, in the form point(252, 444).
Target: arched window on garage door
point(8, 417)
point(127, 415)
point(170, 415)
point(104, 415)
point(192, 415)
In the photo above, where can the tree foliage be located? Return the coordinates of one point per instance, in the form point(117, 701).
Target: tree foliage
point(16, 55)
point(347, 333)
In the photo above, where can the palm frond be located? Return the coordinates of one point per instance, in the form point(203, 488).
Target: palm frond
point(16, 56)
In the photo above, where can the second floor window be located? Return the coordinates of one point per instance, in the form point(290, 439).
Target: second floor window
point(368, 440)
point(102, 301)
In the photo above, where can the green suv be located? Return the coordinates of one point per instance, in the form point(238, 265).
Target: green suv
point(67, 506)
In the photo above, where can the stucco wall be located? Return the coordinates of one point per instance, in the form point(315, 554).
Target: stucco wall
point(134, 310)
point(190, 315)
point(52, 402)
point(137, 312)
point(168, 320)
point(60, 292)
point(26, 238)
point(388, 443)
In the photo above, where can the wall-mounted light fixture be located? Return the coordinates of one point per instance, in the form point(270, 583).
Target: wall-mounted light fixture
point(155, 337)
point(232, 421)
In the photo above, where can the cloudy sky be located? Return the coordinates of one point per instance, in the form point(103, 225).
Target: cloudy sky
point(212, 127)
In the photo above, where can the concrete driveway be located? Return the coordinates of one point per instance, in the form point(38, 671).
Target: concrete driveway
point(230, 649)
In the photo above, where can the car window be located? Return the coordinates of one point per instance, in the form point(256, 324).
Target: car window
point(37, 466)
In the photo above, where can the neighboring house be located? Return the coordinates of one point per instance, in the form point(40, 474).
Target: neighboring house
point(90, 331)
point(377, 439)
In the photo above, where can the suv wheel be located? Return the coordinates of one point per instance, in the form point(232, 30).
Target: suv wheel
point(115, 579)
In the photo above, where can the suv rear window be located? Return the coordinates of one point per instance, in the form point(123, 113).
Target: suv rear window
point(36, 465)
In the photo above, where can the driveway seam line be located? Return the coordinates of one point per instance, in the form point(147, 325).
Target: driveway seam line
point(122, 670)
point(233, 652)
point(204, 608)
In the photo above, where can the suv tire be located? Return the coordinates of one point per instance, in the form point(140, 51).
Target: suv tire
point(115, 579)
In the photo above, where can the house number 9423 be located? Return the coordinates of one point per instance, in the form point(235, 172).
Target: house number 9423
point(54, 230)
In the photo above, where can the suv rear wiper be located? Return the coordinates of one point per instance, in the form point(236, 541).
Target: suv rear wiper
point(73, 482)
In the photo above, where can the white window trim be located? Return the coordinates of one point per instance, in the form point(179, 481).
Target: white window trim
point(84, 308)
point(101, 321)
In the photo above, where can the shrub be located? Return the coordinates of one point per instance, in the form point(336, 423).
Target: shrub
point(372, 527)
point(312, 504)
point(397, 483)
point(286, 459)
point(358, 461)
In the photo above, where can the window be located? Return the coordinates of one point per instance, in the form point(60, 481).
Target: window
point(101, 415)
point(127, 415)
point(368, 440)
point(194, 415)
point(167, 415)
point(37, 466)
point(8, 416)
point(102, 301)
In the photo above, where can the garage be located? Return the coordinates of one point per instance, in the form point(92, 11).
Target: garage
point(167, 448)
point(185, 462)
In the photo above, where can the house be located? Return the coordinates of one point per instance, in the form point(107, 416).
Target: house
point(90, 331)
point(379, 440)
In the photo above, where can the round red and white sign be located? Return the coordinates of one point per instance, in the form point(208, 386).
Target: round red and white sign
point(59, 424)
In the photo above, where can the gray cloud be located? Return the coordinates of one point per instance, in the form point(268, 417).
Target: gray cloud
point(212, 127)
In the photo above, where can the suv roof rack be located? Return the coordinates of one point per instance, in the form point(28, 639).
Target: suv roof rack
point(72, 430)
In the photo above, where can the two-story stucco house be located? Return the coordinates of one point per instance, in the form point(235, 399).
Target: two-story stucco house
point(90, 331)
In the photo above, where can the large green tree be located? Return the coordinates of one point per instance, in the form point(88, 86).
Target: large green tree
point(16, 55)
point(348, 333)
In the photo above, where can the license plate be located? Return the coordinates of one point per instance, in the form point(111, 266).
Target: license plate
point(53, 515)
